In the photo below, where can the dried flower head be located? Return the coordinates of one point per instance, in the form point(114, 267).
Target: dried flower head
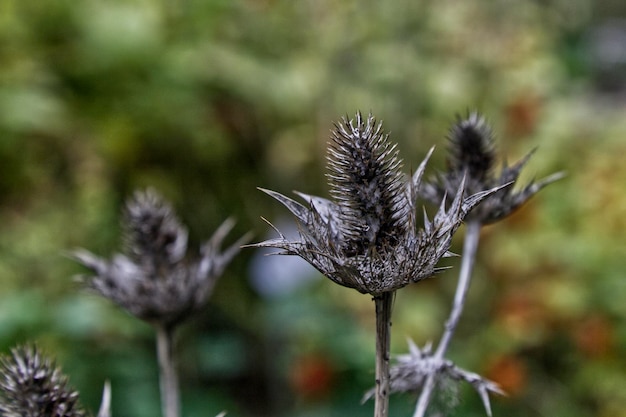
point(411, 370)
point(154, 279)
point(472, 158)
point(32, 386)
point(367, 237)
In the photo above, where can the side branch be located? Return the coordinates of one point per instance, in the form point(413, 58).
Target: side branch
point(470, 247)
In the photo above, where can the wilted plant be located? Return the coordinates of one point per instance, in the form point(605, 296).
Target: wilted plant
point(367, 237)
point(471, 160)
point(31, 385)
point(471, 165)
point(156, 280)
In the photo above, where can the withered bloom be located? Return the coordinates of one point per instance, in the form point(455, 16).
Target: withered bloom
point(154, 279)
point(472, 158)
point(367, 237)
point(32, 386)
point(410, 371)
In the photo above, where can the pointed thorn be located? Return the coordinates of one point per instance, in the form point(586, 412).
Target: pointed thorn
point(456, 205)
point(484, 396)
point(551, 178)
point(105, 404)
point(413, 349)
point(220, 233)
point(293, 206)
point(416, 181)
point(273, 227)
point(427, 223)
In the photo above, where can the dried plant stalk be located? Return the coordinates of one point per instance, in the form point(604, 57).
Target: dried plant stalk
point(168, 377)
point(470, 248)
point(384, 304)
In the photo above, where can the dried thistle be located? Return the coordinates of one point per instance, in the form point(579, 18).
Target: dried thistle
point(154, 279)
point(368, 237)
point(33, 386)
point(411, 370)
point(472, 158)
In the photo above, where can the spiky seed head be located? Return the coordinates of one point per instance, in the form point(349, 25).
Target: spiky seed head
point(366, 182)
point(471, 156)
point(155, 279)
point(152, 232)
point(31, 385)
point(471, 148)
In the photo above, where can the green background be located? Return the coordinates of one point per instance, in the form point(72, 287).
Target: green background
point(206, 100)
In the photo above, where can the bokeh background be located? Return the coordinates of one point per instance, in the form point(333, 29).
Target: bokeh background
point(205, 100)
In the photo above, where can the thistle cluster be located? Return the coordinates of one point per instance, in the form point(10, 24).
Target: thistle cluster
point(155, 279)
point(472, 158)
point(33, 386)
point(368, 236)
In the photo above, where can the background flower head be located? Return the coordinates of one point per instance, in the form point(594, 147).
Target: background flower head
point(472, 158)
point(155, 279)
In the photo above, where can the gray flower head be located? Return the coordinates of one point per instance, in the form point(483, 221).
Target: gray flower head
point(411, 370)
point(367, 236)
point(32, 386)
point(472, 158)
point(154, 279)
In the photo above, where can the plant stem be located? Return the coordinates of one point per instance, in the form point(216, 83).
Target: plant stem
point(383, 346)
point(167, 371)
point(470, 247)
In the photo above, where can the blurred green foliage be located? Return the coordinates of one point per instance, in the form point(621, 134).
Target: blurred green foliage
point(206, 100)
